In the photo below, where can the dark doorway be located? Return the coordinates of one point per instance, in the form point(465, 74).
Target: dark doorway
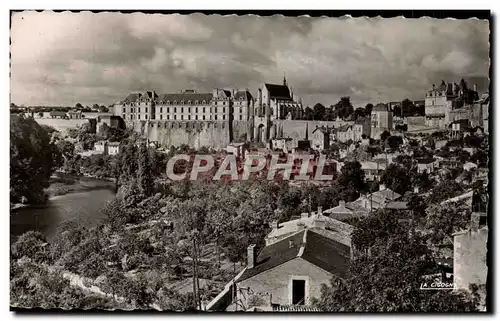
point(298, 292)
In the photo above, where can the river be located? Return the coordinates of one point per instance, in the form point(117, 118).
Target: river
point(84, 207)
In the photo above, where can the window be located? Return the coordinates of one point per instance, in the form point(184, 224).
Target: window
point(182, 109)
point(223, 117)
point(189, 117)
point(203, 117)
point(196, 117)
point(139, 116)
point(146, 116)
point(168, 110)
point(161, 110)
point(203, 109)
point(146, 109)
point(241, 117)
point(298, 292)
point(124, 110)
point(182, 117)
point(215, 117)
point(168, 117)
point(161, 117)
point(223, 109)
point(175, 109)
point(139, 110)
point(175, 117)
point(196, 109)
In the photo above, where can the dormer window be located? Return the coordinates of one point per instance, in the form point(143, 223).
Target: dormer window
point(204, 102)
point(189, 102)
point(168, 102)
point(175, 102)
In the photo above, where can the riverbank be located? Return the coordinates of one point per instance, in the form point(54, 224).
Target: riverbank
point(62, 183)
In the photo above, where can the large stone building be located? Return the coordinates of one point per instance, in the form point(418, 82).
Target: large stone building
point(441, 100)
point(221, 104)
point(381, 120)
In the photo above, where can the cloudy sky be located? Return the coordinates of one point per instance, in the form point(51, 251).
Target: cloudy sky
point(65, 58)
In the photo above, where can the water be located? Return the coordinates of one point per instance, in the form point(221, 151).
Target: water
point(84, 207)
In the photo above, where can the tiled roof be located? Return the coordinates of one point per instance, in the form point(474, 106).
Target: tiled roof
point(57, 113)
point(386, 194)
point(131, 98)
point(278, 91)
point(185, 97)
point(275, 254)
point(329, 255)
point(243, 95)
point(381, 107)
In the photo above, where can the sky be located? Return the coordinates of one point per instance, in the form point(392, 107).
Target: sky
point(61, 59)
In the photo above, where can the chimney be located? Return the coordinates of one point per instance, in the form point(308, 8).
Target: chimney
point(320, 223)
point(275, 224)
point(320, 210)
point(475, 87)
point(342, 203)
point(251, 256)
point(290, 243)
point(381, 187)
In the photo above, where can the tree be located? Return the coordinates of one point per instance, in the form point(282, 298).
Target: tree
point(446, 219)
point(31, 160)
point(78, 106)
point(408, 108)
point(385, 135)
point(318, 111)
point(352, 180)
point(308, 113)
point(103, 109)
point(397, 178)
point(368, 109)
point(344, 108)
point(145, 177)
point(387, 278)
point(31, 244)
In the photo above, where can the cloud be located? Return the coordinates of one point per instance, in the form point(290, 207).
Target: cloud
point(65, 58)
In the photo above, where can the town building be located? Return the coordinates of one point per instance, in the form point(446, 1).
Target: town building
point(428, 165)
point(346, 211)
point(75, 114)
point(114, 148)
point(101, 147)
point(384, 198)
point(373, 169)
point(441, 100)
point(58, 114)
point(381, 120)
point(298, 258)
point(321, 138)
point(347, 133)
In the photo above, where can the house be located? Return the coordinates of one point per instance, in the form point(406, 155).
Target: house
point(426, 165)
point(347, 133)
point(474, 200)
point(440, 144)
point(383, 198)
point(373, 169)
point(237, 149)
point(346, 210)
point(58, 114)
point(75, 114)
point(459, 126)
point(320, 138)
point(114, 148)
point(284, 144)
point(101, 147)
point(290, 270)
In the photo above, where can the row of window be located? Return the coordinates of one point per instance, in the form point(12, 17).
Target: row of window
point(186, 125)
point(203, 117)
point(175, 110)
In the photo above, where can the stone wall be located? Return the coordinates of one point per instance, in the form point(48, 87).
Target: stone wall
point(196, 134)
point(296, 129)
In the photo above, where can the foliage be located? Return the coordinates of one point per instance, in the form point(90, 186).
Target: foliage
point(443, 220)
point(397, 178)
point(31, 160)
point(387, 278)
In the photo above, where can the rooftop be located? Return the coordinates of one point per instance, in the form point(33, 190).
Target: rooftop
point(319, 250)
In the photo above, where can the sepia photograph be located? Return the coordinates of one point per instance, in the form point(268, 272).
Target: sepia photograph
point(242, 162)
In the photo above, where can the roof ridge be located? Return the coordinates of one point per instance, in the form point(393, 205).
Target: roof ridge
point(303, 245)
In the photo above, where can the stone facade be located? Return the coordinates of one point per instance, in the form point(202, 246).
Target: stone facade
point(381, 120)
point(469, 260)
